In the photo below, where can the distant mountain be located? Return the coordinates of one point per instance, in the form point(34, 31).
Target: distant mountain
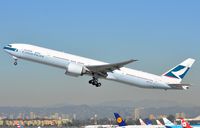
point(143, 103)
point(104, 110)
point(189, 111)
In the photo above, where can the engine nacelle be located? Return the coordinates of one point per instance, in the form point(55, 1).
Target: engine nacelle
point(75, 70)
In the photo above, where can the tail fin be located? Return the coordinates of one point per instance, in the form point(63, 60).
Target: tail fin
point(176, 74)
point(19, 126)
point(142, 122)
point(168, 122)
point(119, 120)
point(148, 122)
point(185, 124)
point(158, 122)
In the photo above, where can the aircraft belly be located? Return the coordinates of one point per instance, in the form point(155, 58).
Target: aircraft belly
point(136, 81)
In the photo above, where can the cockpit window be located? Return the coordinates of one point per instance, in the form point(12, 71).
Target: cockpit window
point(10, 48)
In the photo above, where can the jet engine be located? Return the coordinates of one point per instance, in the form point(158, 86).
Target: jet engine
point(75, 70)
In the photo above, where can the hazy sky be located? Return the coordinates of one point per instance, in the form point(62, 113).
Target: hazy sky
point(160, 34)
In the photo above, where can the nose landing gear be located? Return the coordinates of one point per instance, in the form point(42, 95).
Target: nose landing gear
point(15, 62)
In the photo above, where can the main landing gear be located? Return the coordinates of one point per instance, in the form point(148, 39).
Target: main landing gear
point(94, 81)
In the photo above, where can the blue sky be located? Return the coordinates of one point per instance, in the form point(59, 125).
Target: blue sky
point(160, 34)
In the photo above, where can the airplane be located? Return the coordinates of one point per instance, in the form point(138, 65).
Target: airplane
point(169, 124)
point(187, 125)
point(19, 126)
point(77, 66)
point(147, 122)
point(158, 122)
point(142, 122)
point(122, 124)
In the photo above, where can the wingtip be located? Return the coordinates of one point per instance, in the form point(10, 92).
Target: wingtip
point(133, 60)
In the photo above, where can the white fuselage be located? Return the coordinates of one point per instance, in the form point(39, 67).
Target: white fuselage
point(61, 60)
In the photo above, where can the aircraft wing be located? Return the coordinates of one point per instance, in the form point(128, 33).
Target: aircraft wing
point(103, 69)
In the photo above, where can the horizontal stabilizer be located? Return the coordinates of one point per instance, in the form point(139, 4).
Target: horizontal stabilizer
point(180, 86)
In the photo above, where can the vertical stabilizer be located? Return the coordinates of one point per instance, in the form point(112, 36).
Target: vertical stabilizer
point(142, 122)
point(119, 120)
point(185, 124)
point(158, 122)
point(167, 122)
point(176, 74)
